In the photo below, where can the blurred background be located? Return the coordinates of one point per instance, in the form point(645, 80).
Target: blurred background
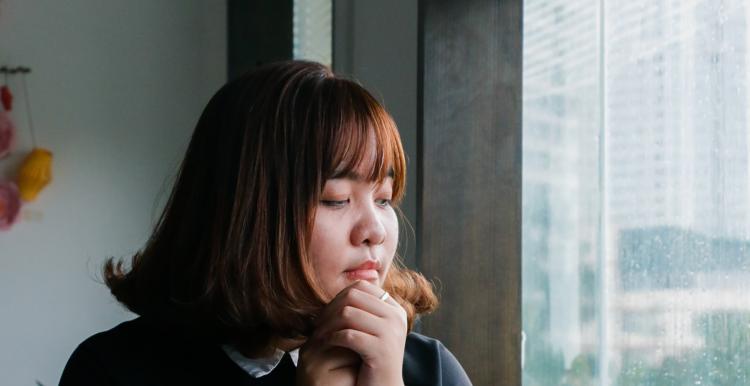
point(115, 90)
point(578, 169)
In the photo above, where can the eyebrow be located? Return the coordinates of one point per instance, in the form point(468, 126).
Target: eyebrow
point(352, 175)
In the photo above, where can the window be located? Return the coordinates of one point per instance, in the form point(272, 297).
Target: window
point(311, 30)
point(636, 240)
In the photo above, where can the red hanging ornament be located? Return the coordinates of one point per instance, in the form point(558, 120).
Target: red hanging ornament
point(6, 97)
point(7, 134)
point(10, 204)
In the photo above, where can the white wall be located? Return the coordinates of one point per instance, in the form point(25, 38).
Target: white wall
point(116, 89)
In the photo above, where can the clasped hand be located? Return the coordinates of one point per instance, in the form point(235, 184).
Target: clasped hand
point(359, 340)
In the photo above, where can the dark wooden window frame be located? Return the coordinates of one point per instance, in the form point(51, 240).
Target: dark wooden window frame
point(469, 189)
point(258, 32)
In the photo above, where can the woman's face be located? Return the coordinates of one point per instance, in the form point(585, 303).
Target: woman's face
point(355, 232)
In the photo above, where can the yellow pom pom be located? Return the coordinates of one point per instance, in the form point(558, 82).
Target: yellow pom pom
point(35, 173)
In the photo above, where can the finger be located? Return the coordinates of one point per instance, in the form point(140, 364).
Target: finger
point(361, 285)
point(355, 297)
point(352, 312)
point(366, 286)
point(333, 356)
point(360, 342)
point(361, 294)
point(332, 306)
point(398, 307)
point(390, 301)
point(338, 357)
point(335, 364)
point(387, 308)
point(377, 292)
point(353, 318)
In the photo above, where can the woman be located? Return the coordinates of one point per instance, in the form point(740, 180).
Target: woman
point(273, 262)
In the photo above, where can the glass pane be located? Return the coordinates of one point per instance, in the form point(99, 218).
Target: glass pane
point(312, 37)
point(677, 192)
point(636, 230)
point(561, 192)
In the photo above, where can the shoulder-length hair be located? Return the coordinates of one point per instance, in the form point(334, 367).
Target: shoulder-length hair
point(229, 256)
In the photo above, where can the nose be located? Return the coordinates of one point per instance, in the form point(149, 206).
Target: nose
point(369, 229)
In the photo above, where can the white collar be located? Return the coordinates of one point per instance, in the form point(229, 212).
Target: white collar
point(258, 367)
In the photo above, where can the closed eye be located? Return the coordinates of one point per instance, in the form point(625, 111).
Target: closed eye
point(383, 202)
point(334, 203)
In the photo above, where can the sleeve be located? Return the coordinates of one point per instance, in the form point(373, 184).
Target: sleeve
point(84, 369)
point(427, 362)
point(451, 372)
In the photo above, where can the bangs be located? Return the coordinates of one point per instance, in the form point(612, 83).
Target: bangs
point(357, 124)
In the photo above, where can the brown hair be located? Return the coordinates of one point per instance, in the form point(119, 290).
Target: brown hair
point(228, 256)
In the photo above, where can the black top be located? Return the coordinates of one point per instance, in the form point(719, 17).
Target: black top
point(138, 352)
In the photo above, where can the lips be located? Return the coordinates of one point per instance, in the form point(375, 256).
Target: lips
point(365, 271)
point(369, 264)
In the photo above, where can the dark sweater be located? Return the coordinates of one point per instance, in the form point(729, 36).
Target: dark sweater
point(138, 352)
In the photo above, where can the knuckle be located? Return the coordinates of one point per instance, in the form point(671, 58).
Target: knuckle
point(402, 316)
point(351, 295)
point(348, 336)
point(362, 286)
point(347, 312)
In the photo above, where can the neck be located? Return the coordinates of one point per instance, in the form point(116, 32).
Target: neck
point(287, 345)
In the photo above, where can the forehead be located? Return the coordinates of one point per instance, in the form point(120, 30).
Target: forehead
point(365, 159)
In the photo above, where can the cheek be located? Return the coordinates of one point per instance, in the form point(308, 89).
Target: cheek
point(391, 242)
point(325, 241)
point(327, 244)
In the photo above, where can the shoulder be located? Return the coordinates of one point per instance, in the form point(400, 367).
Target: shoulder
point(428, 362)
point(107, 357)
point(126, 340)
point(138, 352)
point(126, 334)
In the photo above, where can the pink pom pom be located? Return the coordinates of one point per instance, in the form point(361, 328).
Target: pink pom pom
point(10, 204)
point(7, 134)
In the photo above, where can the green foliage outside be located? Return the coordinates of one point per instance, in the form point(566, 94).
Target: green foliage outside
point(724, 361)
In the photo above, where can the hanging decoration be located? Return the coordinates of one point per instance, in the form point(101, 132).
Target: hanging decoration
point(7, 134)
point(35, 173)
point(36, 170)
point(7, 128)
point(10, 204)
point(5, 96)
